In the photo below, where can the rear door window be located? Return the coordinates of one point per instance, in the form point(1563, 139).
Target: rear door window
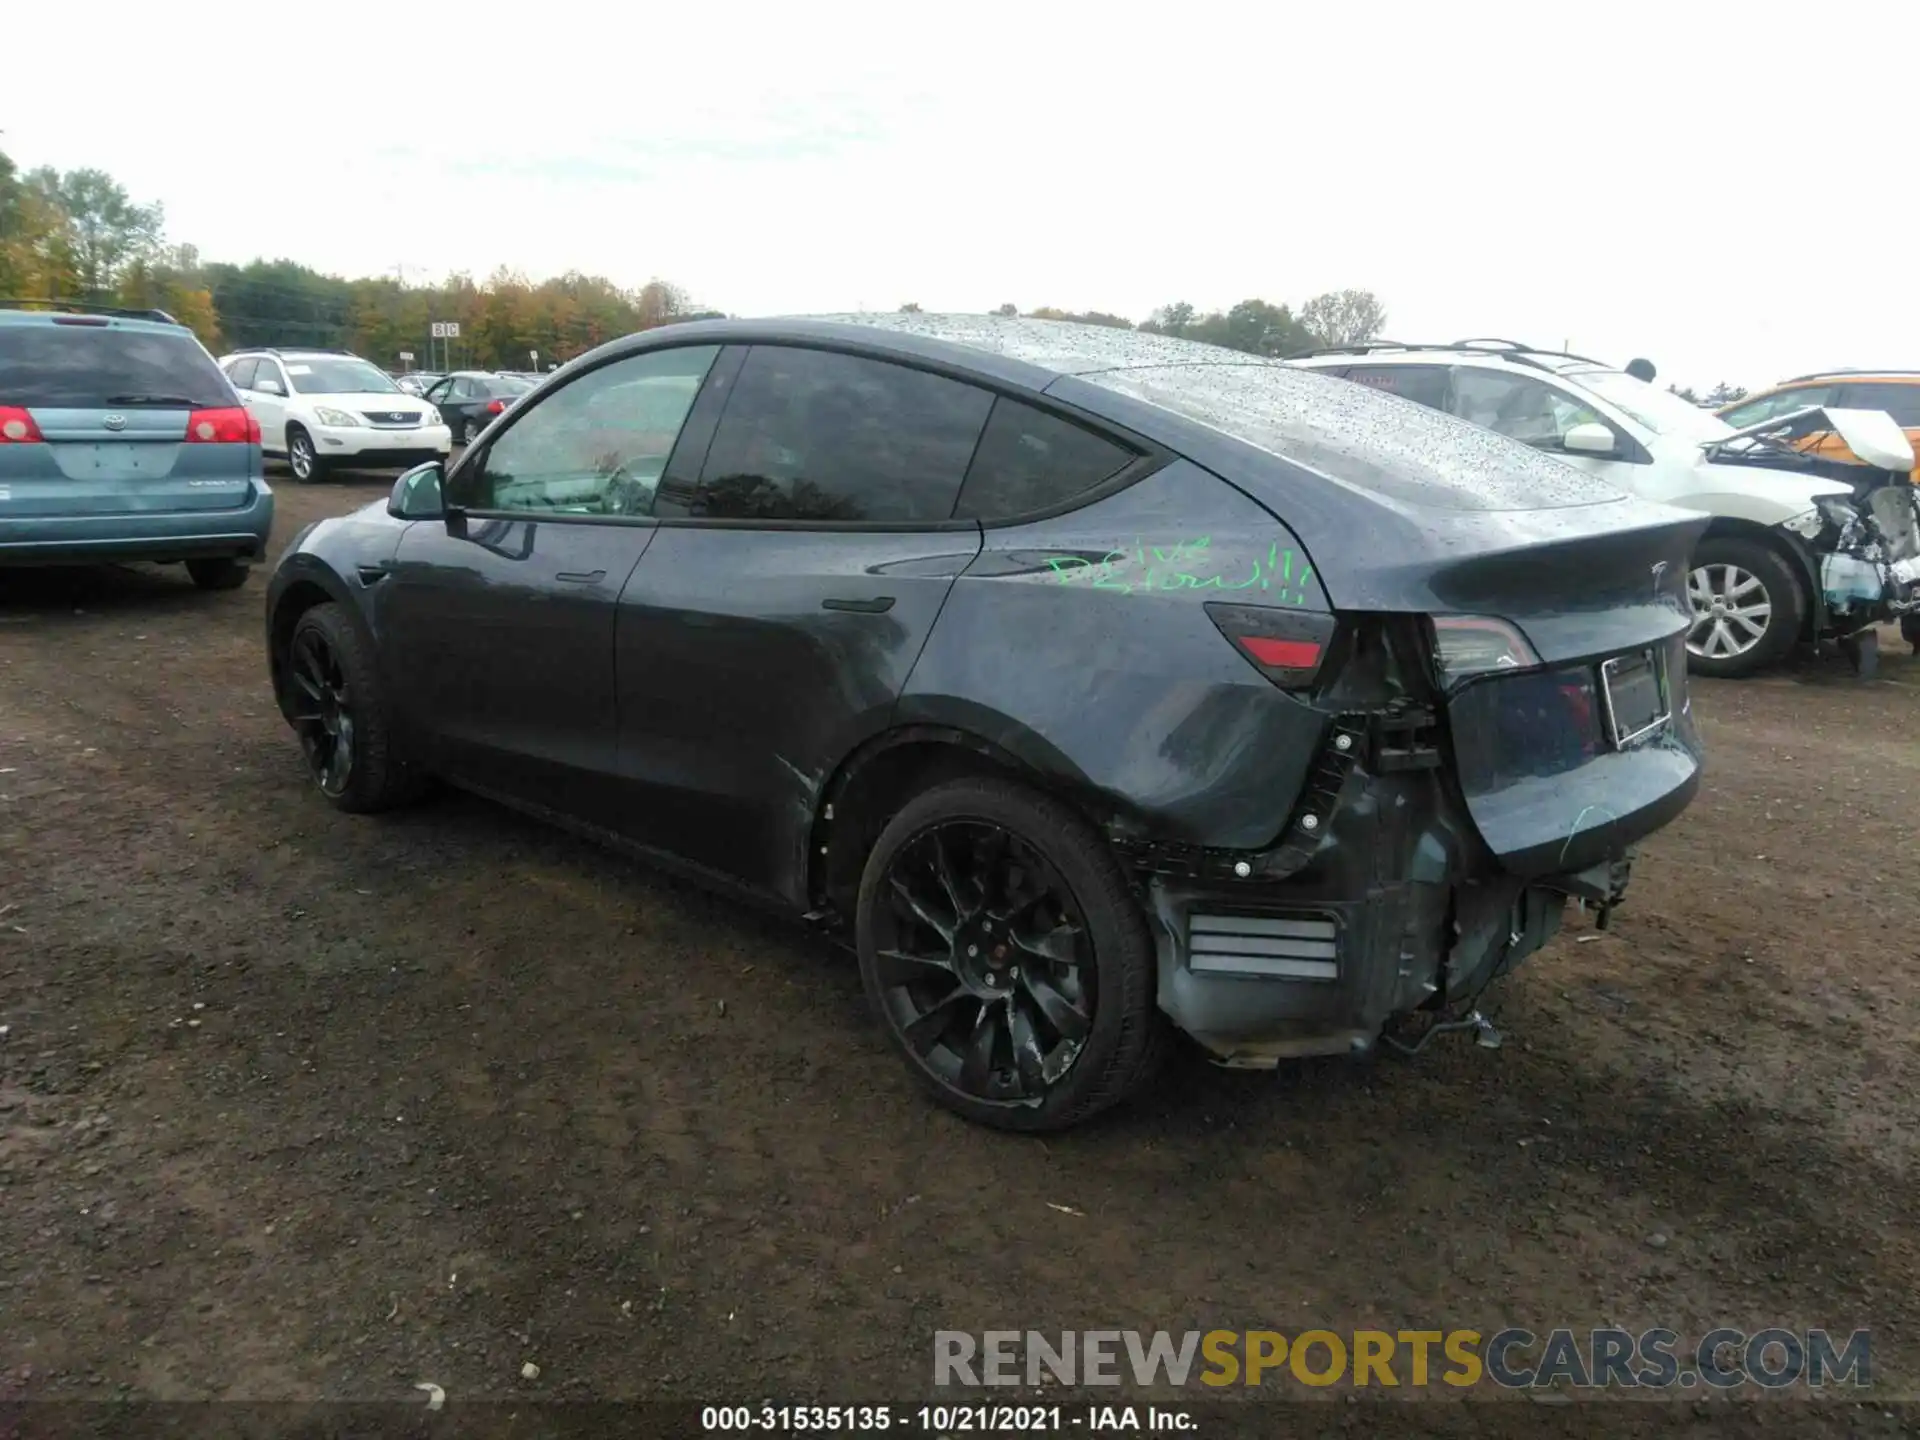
point(268, 380)
point(84, 367)
point(1902, 402)
point(1028, 461)
point(812, 435)
point(1423, 384)
point(240, 372)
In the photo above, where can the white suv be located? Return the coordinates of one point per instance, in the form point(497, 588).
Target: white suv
point(1798, 548)
point(319, 408)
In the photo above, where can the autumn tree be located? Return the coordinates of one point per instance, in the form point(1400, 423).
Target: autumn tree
point(1343, 317)
point(103, 230)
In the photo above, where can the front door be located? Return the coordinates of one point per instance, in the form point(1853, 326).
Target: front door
point(500, 622)
point(773, 623)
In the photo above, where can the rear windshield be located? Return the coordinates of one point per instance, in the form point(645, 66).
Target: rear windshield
point(82, 367)
point(316, 375)
point(505, 385)
point(1396, 449)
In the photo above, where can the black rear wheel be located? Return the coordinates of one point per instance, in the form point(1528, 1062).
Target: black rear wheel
point(1910, 631)
point(217, 574)
point(1006, 957)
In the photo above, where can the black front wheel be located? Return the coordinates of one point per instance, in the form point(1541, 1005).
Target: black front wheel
point(335, 702)
point(1006, 957)
point(1910, 631)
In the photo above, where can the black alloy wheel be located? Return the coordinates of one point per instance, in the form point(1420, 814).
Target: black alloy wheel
point(323, 710)
point(1006, 957)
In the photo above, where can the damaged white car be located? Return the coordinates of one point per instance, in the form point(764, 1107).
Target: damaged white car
point(1801, 548)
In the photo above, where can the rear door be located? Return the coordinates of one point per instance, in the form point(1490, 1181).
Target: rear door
point(268, 400)
point(796, 577)
point(499, 622)
point(110, 401)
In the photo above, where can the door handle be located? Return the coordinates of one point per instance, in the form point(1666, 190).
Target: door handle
point(581, 577)
point(374, 574)
point(879, 605)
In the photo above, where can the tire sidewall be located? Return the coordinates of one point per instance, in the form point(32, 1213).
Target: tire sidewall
point(1786, 593)
point(1118, 933)
point(366, 785)
point(295, 436)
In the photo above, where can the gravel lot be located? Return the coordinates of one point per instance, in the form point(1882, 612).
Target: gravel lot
point(297, 1105)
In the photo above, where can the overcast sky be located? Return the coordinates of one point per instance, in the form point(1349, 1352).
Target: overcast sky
point(1728, 191)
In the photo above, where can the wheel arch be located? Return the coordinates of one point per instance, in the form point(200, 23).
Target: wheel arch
point(294, 595)
point(1798, 557)
point(881, 773)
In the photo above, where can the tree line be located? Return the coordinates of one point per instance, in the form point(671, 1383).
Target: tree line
point(79, 236)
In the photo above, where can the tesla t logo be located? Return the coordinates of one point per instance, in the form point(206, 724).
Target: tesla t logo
point(114, 422)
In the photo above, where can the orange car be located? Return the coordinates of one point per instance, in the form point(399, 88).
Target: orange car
point(1895, 391)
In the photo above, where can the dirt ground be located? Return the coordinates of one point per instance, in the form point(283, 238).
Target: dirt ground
point(298, 1105)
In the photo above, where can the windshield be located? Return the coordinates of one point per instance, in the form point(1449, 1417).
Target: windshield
point(321, 375)
point(87, 366)
point(1661, 411)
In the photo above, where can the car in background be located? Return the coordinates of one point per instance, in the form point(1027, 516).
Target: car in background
point(469, 400)
point(1088, 682)
point(121, 440)
point(416, 382)
point(1897, 392)
point(1799, 546)
point(322, 408)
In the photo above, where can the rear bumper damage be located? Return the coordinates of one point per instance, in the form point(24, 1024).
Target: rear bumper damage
point(1405, 883)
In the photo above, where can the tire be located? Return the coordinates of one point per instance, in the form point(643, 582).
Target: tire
point(1724, 570)
point(1061, 1077)
point(1910, 631)
point(217, 574)
point(469, 431)
point(302, 458)
point(327, 652)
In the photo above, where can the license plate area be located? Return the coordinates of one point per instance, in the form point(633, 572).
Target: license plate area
point(1634, 690)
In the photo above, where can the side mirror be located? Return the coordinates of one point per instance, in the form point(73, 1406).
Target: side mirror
point(417, 495)
point(1591, 438)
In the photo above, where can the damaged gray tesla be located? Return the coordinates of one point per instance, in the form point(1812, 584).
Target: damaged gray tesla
point(1095, 685)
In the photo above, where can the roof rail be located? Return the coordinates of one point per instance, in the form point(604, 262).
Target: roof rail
point(297, 349)
point(84, 307)
point(1505, 349)
point(1855, 370)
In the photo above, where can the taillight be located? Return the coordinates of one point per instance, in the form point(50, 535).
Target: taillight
point(1469, 645)
point(17, 427)
point(494, 407)
point(1285, 645)
point(235, 426)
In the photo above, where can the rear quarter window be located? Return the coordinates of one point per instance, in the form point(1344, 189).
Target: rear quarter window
point(1028, 460)
point(68, 366)
point(1422, 384)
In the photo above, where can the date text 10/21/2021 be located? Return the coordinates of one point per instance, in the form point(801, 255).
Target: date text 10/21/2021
point(1187, 565)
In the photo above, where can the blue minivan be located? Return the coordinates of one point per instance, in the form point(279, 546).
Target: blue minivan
point(120, 439)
